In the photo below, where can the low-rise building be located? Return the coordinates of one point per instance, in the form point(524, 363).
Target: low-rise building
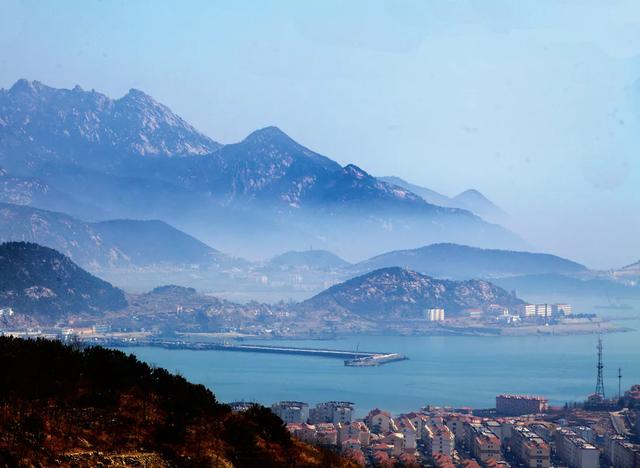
point(529, 448)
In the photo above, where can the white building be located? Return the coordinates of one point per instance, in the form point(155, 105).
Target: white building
point(356, 430)
point(538, 310)
point(440, 439)
point(291, 411)
point(405, 427)
point(435, 315)
point(559, 309)
point(378, 421)
point(575, 451)
point(333, 412)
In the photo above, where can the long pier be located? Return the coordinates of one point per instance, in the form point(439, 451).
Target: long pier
point(351, 358)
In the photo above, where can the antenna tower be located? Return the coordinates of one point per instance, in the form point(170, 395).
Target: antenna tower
point(600, 382)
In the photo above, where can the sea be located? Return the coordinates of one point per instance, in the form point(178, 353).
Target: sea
point(457, 371)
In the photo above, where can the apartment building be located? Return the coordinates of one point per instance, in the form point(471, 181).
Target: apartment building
point(575, 451)
point(529, 448)
point(357, 430)
point(291, 411)
point(439, 439)
point(516, 405)
point(404, 426)
point(482, 443)
point(332, 412)
point(378, 421)
point(435, 315)
point(621, 453)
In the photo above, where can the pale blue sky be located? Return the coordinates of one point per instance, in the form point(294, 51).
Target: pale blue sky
point(535, 103)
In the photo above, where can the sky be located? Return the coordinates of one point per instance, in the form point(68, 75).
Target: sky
point(534, 103)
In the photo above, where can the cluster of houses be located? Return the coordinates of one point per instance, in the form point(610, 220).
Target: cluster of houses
point(447, 438)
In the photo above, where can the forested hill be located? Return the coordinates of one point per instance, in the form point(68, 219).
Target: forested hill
point(65, 406)
point(44, 284)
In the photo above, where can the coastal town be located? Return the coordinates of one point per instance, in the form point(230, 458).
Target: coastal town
point(172, 314)
point(521, 431)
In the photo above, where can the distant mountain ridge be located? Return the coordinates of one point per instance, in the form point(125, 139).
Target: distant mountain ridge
point(392, 293)
point(135, 159)
point(41, 283)
point(465, 262)
point(76, 126)
point(312, 259)
point(471, 200)
point(108, 244)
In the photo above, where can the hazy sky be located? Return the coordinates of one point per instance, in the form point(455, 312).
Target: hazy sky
point(534, 103)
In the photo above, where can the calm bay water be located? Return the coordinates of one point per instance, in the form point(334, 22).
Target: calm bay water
point(442, 370)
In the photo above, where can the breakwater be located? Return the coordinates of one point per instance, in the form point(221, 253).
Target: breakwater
point(351, 358)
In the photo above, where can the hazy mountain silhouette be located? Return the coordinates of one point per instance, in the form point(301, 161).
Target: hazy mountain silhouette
point(464, 262)
point(133, 158)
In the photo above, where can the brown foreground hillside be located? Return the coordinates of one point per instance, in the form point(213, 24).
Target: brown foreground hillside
point(65, 406)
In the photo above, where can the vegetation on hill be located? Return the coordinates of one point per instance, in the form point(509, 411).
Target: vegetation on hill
point(44, 284)
point(62, 405)
point(399, 293)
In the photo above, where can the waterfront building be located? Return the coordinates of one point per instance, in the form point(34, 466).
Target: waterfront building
point(102, 328)
point(561, 309)
point(333, 412)
point(435, 315)
point(473, 313)
point(516, 405)
point(291, 411)
point(538, 310)
point(575, 451)
point(529, 448)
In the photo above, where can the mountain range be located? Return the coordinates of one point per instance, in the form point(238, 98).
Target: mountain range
point(471, 200)
point(107, 244)
point(90, 156)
